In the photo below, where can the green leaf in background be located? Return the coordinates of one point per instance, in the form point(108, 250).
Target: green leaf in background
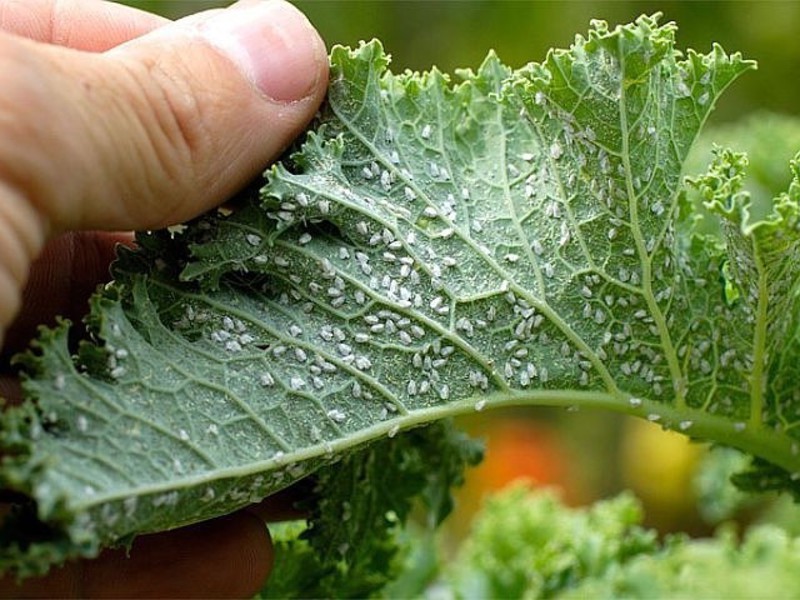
point(526, 544)
point(351, 548)
point(432, 248)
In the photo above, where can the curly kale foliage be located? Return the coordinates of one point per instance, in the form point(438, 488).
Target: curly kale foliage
point(526, 544)
point(353, 546)
point(434, 246)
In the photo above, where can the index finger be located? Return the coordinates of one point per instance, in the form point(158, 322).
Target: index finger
point(90, 25)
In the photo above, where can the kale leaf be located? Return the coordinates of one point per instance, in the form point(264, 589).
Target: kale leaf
point(433, 246)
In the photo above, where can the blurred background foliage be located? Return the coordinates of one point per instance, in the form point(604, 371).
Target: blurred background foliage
point(452, 34)
point(591, 455)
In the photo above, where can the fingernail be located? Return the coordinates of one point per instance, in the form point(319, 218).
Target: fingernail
point(273, 44)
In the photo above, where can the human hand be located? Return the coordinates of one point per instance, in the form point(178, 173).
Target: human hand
point(112, 119)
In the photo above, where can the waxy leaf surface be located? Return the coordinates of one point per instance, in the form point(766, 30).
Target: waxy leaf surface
point(432, 247)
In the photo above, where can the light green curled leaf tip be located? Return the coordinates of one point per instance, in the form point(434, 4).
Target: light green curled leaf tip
point(770, 141)
point(721, 186)
point(432, 248)
point(722, 191)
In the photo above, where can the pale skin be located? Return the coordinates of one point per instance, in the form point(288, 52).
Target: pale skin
point(113, 120)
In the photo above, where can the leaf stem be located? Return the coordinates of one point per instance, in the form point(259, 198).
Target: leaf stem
point(678, 379)
point(776, 447)
point(759, 346)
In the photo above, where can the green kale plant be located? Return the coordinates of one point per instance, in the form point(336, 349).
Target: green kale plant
point(526, 544)
point(432, 246)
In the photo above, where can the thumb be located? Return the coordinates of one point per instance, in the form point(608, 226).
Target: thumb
point(158, 129)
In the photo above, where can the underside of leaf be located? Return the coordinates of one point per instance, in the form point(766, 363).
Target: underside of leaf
point(434, 246)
